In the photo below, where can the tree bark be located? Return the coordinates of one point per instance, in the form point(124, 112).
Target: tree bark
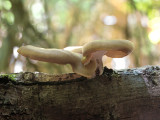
point(130, 94)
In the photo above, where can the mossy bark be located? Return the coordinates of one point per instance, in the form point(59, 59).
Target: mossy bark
point(132, 94)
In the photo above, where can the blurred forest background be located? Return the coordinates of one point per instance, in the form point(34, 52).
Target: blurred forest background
point(62, 23)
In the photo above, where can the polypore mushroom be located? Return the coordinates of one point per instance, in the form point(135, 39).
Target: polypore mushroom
point(112, 48)
point(60, 57)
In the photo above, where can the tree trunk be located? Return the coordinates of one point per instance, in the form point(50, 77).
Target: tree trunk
point(131, 94)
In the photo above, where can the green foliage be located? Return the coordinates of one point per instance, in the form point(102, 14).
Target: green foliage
point(148, 7)
point(61, 23)
point(5, 4)
point(143, 5)
point(8, 17)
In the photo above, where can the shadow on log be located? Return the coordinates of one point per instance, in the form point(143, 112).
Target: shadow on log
point(130, 94)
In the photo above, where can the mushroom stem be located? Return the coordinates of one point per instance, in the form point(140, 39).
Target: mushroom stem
point(86, 59)
point(99, 64)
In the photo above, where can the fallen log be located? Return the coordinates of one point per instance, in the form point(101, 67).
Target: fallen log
point(130, 94)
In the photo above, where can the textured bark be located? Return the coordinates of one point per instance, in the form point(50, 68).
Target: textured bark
point(131, 94)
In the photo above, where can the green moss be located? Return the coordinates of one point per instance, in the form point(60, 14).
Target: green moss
point(115, 75)
point(11, 77)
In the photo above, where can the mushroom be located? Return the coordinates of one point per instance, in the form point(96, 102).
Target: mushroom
point(85, 60)
point(95, 50)
point(60, 56)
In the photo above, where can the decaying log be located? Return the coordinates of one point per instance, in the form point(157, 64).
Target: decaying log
point(130, 94)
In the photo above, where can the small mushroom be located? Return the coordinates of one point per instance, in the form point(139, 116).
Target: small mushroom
point(112, 48)
point(60, 56)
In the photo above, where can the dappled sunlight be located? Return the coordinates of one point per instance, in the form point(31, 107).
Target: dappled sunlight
point(110, 20)
point(59, 24)
point(154, 34)
point(18, 67)
point(15, 53)
point(37, 10)
point(120, 63)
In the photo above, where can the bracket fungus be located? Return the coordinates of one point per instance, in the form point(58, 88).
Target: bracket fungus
point(85, 60)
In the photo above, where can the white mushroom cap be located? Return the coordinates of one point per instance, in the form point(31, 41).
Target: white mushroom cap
point(113, 48)
point(60, 57)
